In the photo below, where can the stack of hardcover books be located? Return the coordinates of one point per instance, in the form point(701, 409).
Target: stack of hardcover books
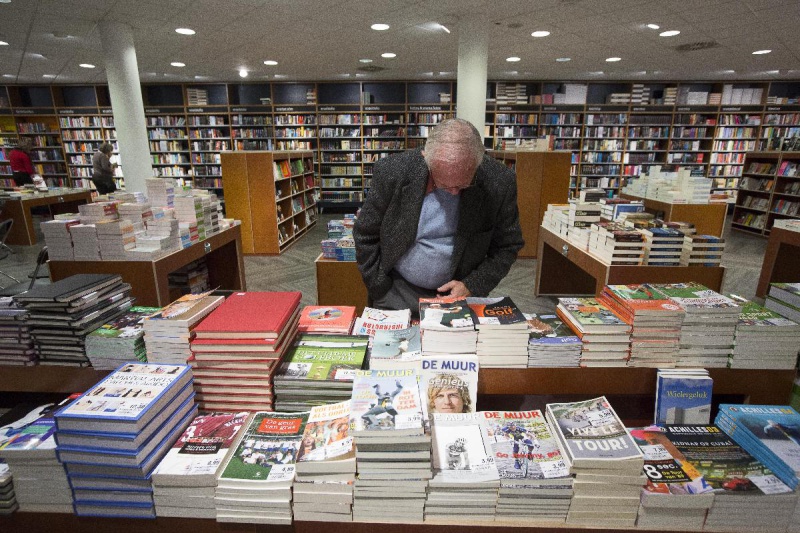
point(234, 359)
point(447, 325)
point(62, 314)
point(605, 460)
point(326, 466)
point(675, 495)
point(466, 480)
point(656, 323)
point(393, 456)
point(167, 334)
point(764, 339)
point(185, 481)
point(502, 332)
point(8, 500)
point(663, 246)
point(709, 324)
point(605, 336)
point(16, 343)
point(551, 343)
point(255, 485)
point(336, 320)
point(120, 340)
point(319, 369)
point(702, 250)
point(683, 396)
point(784, 298)
point(112, 437)
point(615, 244)
point(535, 483)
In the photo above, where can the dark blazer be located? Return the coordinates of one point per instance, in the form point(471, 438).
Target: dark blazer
point(488, 235)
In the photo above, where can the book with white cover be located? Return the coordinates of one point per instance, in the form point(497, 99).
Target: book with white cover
point(462, 453)
point(449, 384)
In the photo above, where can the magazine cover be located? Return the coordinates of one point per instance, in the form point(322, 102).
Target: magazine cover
point(327, 435)
point(449, 384)
point(399, 345)
point(495, 311)
point(445, 314)
point(323, 358)
point(386, 400)
point(590, 312)
point(461, 450)
point(549, 329)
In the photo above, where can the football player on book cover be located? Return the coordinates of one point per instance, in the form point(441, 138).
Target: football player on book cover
point(381, 406)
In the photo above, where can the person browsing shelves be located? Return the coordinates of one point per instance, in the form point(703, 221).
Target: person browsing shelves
point(21, 165)
point(103, 169)
point(438, 221)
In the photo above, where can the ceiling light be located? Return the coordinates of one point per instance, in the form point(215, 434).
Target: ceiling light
point(541, 33)
point(653, 26)
point(729, 71)
point(48, 75)
point(513, 59)
point(669, 33)
point(613, 59)
point(365, 60)
point(380, 27)
point(513, 72)
point(178, 64)
point(388, 55)
point(243, 73)
point(8, 76)
point(279, 76)
point(563, 59)
point(761, 52)
point(86, 65)
point(3, 43)
point(596, 73)
point(360, 74)
point(185, 31)
point(270, 62)
point(445, 28)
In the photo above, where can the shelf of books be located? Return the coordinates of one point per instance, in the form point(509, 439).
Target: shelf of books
point(110, 136)
point(47, 154)
point(340, 154)
point(209, 134)
point(82, 134)
point(768, 191)
point(647, 139)
point(8, 140)
point(169, 142)
point(735, 135)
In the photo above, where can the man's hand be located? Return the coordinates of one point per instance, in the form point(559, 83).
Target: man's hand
point(454, 288)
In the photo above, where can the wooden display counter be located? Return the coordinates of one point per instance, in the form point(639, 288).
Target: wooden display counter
point(564, 269)
point(708, 219)
point(340, 283)
point(19, 209)
point(150, 286)
point(781, 260)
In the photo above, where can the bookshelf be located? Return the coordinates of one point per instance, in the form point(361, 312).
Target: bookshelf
point(272, 193)
point(769, 190)
point(340, 144)
point(8, 139)
point(209, 134)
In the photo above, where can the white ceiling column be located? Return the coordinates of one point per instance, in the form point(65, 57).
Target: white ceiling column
point(473, 55)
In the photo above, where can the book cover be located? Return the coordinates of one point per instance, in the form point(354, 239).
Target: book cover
point(683, 399)
point(588, 312)
point(695, 296)
point(128, 325)
point(448, 384)
point(754, 317)
point(500, 311)
point(267, 314)
point(327, 435)
point(461, 449)
point(326, 318)
point(386, 400)
point(37, 435)
point(396, 345)
point(641, 299)
point(373, 320)
point(69, 289)
point(549, 330)
point(184, 312)
point(321, 358)
point(445, 314)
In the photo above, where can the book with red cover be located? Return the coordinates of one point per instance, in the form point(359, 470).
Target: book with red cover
point(325, 318)
point(250, 315)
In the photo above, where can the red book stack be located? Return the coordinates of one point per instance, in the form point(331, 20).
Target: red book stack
point(237, 348)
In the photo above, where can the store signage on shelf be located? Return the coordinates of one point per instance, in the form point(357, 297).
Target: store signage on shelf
point(696, 108)
point(106, 111)
point(34, 111)
point(427, 108)
point(783, 108)
point(284, 109)
point(562, 108)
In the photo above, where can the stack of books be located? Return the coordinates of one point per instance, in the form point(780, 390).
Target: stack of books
point(616, 244)
point(112, 437)
point(466, 480)
point(8, 500)
point(551, 343)
point(138, 214)
point(62, 314)
point(535, 483)
point(605, 336)
point(655, 320)
point(372, 320)
point(393, 457)
point(16, 343)
point(161, 191)
point(764, 339)
point(58, 238)
point(116, 238)
point(709, 324)
point(784, 298)
point(86, 245)
point(326, 319)
point(326, 466)
point(663, 246)
point(683, 396)
point(185, 481)
point(396, 349)
point(193, 278)
point(448, 384)
point(675, 495)
point(164, 226)
point(255, 485)
point(502, 332)
point(234, 360)
point(98, 212)
point(556, 219)
point(583, 215)
point(612, 208)
point(120, 340)
point(318, 369)
point(702, 250)
point(447, 326)
point(605, 460)
point(167, 334)
point(189, 210)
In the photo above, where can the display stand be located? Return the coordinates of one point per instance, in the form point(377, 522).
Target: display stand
point(781, 260)
point(150, 286)
point(564, 269)
point(708, 219)
point(340, 283)
point(19, 210)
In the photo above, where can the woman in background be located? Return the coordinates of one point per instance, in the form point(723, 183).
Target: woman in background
point(103, 169)
point(21, 165)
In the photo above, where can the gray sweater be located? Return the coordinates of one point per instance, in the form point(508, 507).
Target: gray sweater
point(101, 166)
point(488, 236)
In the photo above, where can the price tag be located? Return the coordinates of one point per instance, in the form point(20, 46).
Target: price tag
point(552, 469)
point(655, 452)
point(769, 484)
point(600, 418)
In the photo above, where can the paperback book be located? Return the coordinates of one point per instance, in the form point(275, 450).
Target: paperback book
point(400, 348)
point(448, 384)
point(386, 400)
point(683, 397)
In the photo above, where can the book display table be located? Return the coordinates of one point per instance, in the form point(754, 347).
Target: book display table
point(709, 219)
point(19, 210)
point(223, 254)
point(340, 283)
point(781, 260)
point(564, 269)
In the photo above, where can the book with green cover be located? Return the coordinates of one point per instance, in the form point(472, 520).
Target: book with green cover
point(756, 318)
point(694, 297)
point(323, 361)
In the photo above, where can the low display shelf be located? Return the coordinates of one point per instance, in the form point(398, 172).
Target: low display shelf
point(768, 191)
point(708, 219)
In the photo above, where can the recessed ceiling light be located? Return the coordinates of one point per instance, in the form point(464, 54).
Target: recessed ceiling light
point(653, 26)
point(9, 76)
point(761, 52)
point(513, 72)
point(185, 31)
point(365, 60)
point(281, 76)
point(243, 73)
point(345, 75)
point(563, 59)
point(3, 43)
point(729, 71)
point(669, 33)
point(541, 33)
point(513, 59)
point(48, 75)
point(86, 65)
point(596, 73)
point(613, 59)
point(360, 74)
point(380, 27)
point(270, 62)
point(178, 64)
point(388, 55)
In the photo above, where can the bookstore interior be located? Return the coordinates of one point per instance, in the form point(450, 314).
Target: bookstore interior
point(141, 379)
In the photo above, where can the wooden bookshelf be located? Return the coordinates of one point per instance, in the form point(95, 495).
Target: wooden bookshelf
point(542, 179)
point(769, 190)
point(708, 219)
point(781, 260)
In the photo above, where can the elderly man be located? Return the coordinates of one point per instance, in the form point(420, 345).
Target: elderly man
point(441, 221)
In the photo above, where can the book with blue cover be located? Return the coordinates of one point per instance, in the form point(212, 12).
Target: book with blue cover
point(683, 397)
